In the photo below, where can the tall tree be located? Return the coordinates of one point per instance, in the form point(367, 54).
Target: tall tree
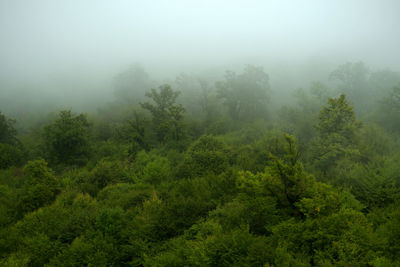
point(353, 81)
point(351, 75)
point(11, 150)
point(337, 118)
point(8, 134)
point(40, 188)
point(337, 127)
point(67, 139)
point(133, 133)
point(246, 95)
point(390, 110)
point(167, 115)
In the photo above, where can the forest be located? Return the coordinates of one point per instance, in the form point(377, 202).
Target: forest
point(199, 133)
point(200, 172)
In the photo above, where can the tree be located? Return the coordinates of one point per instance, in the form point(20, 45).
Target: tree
point(245, 95)
point(125, 195)
point(390, 110)
point(45, 233)
point(285, 179)
point(382, 81)
point(198, 96)
point(10, 155)
point(351, 75)
point(337, 127)
point(353, 81)
point(40, 187)
point(10, 147)
point(132, 83)
point(133, 133)
point(206, 155)
point(167, 115)
point(299, 120)
point(338, 118)
point(104, 173)
point(67, 139)
point(8, 134)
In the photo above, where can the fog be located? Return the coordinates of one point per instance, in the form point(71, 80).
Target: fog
point(70, 49)
point(199, 133)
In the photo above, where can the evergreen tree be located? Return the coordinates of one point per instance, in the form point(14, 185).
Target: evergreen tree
point(337, 133)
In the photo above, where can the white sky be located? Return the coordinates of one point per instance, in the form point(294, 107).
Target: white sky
point(43, 37)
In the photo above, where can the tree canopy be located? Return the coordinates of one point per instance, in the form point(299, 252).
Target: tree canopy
point(247, 176)
point(67, 139)
point(245, 95)
point(167, 114)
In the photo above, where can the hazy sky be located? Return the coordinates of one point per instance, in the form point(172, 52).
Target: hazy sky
point(43, 37)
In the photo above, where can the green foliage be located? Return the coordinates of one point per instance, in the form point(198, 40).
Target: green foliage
point(390, 110)
point(294, 190)
point(133, 134)
point(67, 139)
point(15, 260)
point(352, 75)
point(7, 205)
point(10, 155)
point(141, 191)
point(40, 187)
point(125, 195)
point(207, 154)
point(151, 168)
point(337, 133)
point(341, 238)
point(8, 134)
point(371, 185)
point(167, 115)
point(12, 177)
point(299, 120)
point(392, 234)
point(110, 150)
point(245, 95)
point(42, 234)
point(207, 245)
point(258, 212)
point(83, 252)
point(107, 172)
point(347, 200)
point(337, 118)
point(374, 144)
point(352, 78)
point(136, 135)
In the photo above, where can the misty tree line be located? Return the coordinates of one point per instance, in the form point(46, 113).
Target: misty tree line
point(205, 172)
